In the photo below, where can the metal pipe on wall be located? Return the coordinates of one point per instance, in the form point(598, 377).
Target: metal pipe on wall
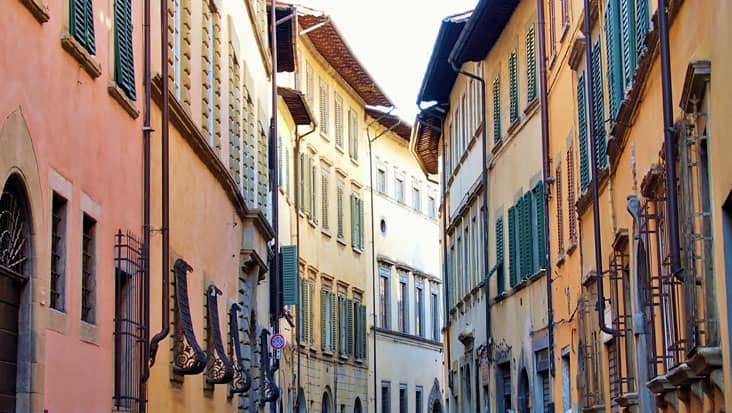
point(146, 131)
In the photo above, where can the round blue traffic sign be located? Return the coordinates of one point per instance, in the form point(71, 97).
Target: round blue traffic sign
point(277, 341)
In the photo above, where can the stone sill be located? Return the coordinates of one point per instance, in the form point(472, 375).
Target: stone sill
point(119, 95)
point(37, 9)
point(75, 49)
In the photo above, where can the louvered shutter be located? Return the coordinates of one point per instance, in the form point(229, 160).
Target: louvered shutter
point(324, 328)
point(124, 59)
point(527, 246)
point(324, 199)
point(627, 30)
point(501, 281)
point(311, 312)
point(81, 23)
point(614, 72)
point(540, 224)
point(289, 274)
point(354, 233)
point(338, 120)
point(333, 322)
point(598, 106)
point(307, 183)
point(300, 312)
point(531, 64)
point(641, 25)
point(349, 327)
point(339, 201)
point(497, 110)
point(513, 87)
point(301, 183)
point(582, 126)
point(314, 191)
point(308, 311)
point(360, 224)
point(362, 329)
point(512, 258)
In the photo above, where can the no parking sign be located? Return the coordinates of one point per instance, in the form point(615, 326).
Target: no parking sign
point(277, 342)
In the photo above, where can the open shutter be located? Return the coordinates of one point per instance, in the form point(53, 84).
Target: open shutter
point(362, 330)
point(641, 25)
point(513, 86)
point(513, 262)
point(308, 181)
point(582, 126)
point(324, 200)
point(333, 321)
point(526, 250)
point(124, 60)
point(314, 191)
point(339, 201)
point(301, 183)
point(497, 110)
point(354, 234)
point(300, 312)
point(89, 26)
point(614, 72)
point(531, 64)
point(598, 106)
point(323, 320)
point(627, 30)
point(349, 327)
point(540, 233)
point(499, 257)
point(289, 274)
point(81, 23)
point(360, 224)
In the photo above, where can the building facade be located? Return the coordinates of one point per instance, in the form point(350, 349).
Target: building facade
point(407, 289)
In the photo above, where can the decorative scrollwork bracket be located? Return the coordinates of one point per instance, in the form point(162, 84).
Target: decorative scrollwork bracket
point(188, 357)
point(218, 367)
point(242, 381)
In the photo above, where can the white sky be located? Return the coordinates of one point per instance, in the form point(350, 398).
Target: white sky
point(393, 39)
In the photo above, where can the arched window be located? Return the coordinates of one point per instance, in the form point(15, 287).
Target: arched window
point(325, 408)
point(357, 406)
point(524, 397)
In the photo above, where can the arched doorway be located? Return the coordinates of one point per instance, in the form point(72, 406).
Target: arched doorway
point(301, 404)
point(436, 407)
point(357, 406)
point(325, 407)
point(15, 267)
point(524, 396)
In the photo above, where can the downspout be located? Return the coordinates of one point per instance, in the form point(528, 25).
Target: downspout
point(165, 164)
point(546, 177)
point(595, 182)
point(146, 131)
point(275, 273)
point(668, 131)
point(484, 207)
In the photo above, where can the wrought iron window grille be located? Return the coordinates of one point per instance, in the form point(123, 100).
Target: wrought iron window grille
point(622, 380)
point(188, 357)
point(590, 383)
point(219, 369)
point(242, 380)
point(14, 241)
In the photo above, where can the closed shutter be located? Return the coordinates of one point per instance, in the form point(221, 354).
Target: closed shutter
point(324, 319)
point(349, 327)
point(512, 258)
point(526, 250)
point(311, 312)
point(614, 72)
point(124, 67)
point(333, 322)
point(627, 30)
point(301, 183)
point(308, 311)
point(641, 25)
point(339, 120)
point(513, 86)
point(362, 329)
point(582, 126)
point(499, 256)
point(360, 224)
point(540, 230)
point(324, 199)
point(531, 64)
point(497, 110)
point(300, 312)
point(598, 106)
point(339, 201)
point(289, 274)
point(354, 233)
point(81, 23)
point(354, 331)
point(323, 98)
point(307, 182)
point(314, 192)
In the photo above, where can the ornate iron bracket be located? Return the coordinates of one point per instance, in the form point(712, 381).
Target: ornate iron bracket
point(188, 357)
point(242, 381)
point(218, 366)
point(270, 391)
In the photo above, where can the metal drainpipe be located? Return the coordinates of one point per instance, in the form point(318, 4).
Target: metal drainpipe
point(165, 164)
point(275, 273)
point(668, 131)
point(484, 207)
point(546, 174)
point(146, 130)
point(595, 182)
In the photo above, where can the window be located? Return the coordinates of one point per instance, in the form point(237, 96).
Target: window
point(435, 309)
point(305, 313)
point(504, 388)
point(324, 198)
point(58, 252)
point(88, 270)
point(381, 181)
point(359, 325)
point(552, 29)
point(81, 23)
point(566, 383)
point(338, 121)
point(431, 207)
point(176, 52)
point(384, 296)
point(124, 67)
point(324, 99)
point(385, 397)
point(310, 84)
point(513, 87)
point(565, 15)
point(571, 185)
point(500, 274)
point(356, 221)
point(598, 101)
point(584, 150)
point(560, 210)
point(345, 325)
point(530, 65)
point(416, 199)
point(418, 400)
point(208, 54)
point(327, 320)
point(399, 190)
point(235, 129)
point(403, 400)
point(339, 201)
point(497, 110)
point(403, 302)
point(542, 372)
point(419, 307)
point(313, 192)
point(352, 135)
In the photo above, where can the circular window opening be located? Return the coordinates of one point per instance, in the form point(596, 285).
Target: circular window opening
point(382, 225)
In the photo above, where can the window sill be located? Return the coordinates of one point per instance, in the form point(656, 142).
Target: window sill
point(88, 333)
point(119, 95)
point(354, 161)
point(497, 146)
point(37, 9)
point(58, 321)
point(514, 125)
point(532, 105)
point(561, 259)
point(342, 241)
point(357, 250)
point(340, 149)
point(328, 353)
point(326, 233)
point(75, 49)
point(571, 248)
point(324, 136)
point(312, 223)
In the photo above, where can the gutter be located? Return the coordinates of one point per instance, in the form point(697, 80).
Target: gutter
point(546, 176)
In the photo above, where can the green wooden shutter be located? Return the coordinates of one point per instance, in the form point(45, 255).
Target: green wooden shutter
point(301, 183)
point(353, 221)
point(531, 64)
point(614, 67)
point(339, 201)
point(641, 25)
point(81, 23)
point(300, 312)
point(540, 229)
point(289, 274)
point(513, 87)
point(308, 311)
point(349, 327)
point(526, 249)
point(360, 224)
point(333, 322)
point(627, 30)
point(362, 330)
point(512, 258)
point(598, 106)
point(497, 110)
point(501, 281)
point(123, 57)
point(582, 126)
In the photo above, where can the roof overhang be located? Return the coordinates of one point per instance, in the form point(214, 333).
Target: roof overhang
point(482, 31)
point(297, 105)
point(440, 76)
point(425, 140)
point(390, 121)
point(286, 37)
